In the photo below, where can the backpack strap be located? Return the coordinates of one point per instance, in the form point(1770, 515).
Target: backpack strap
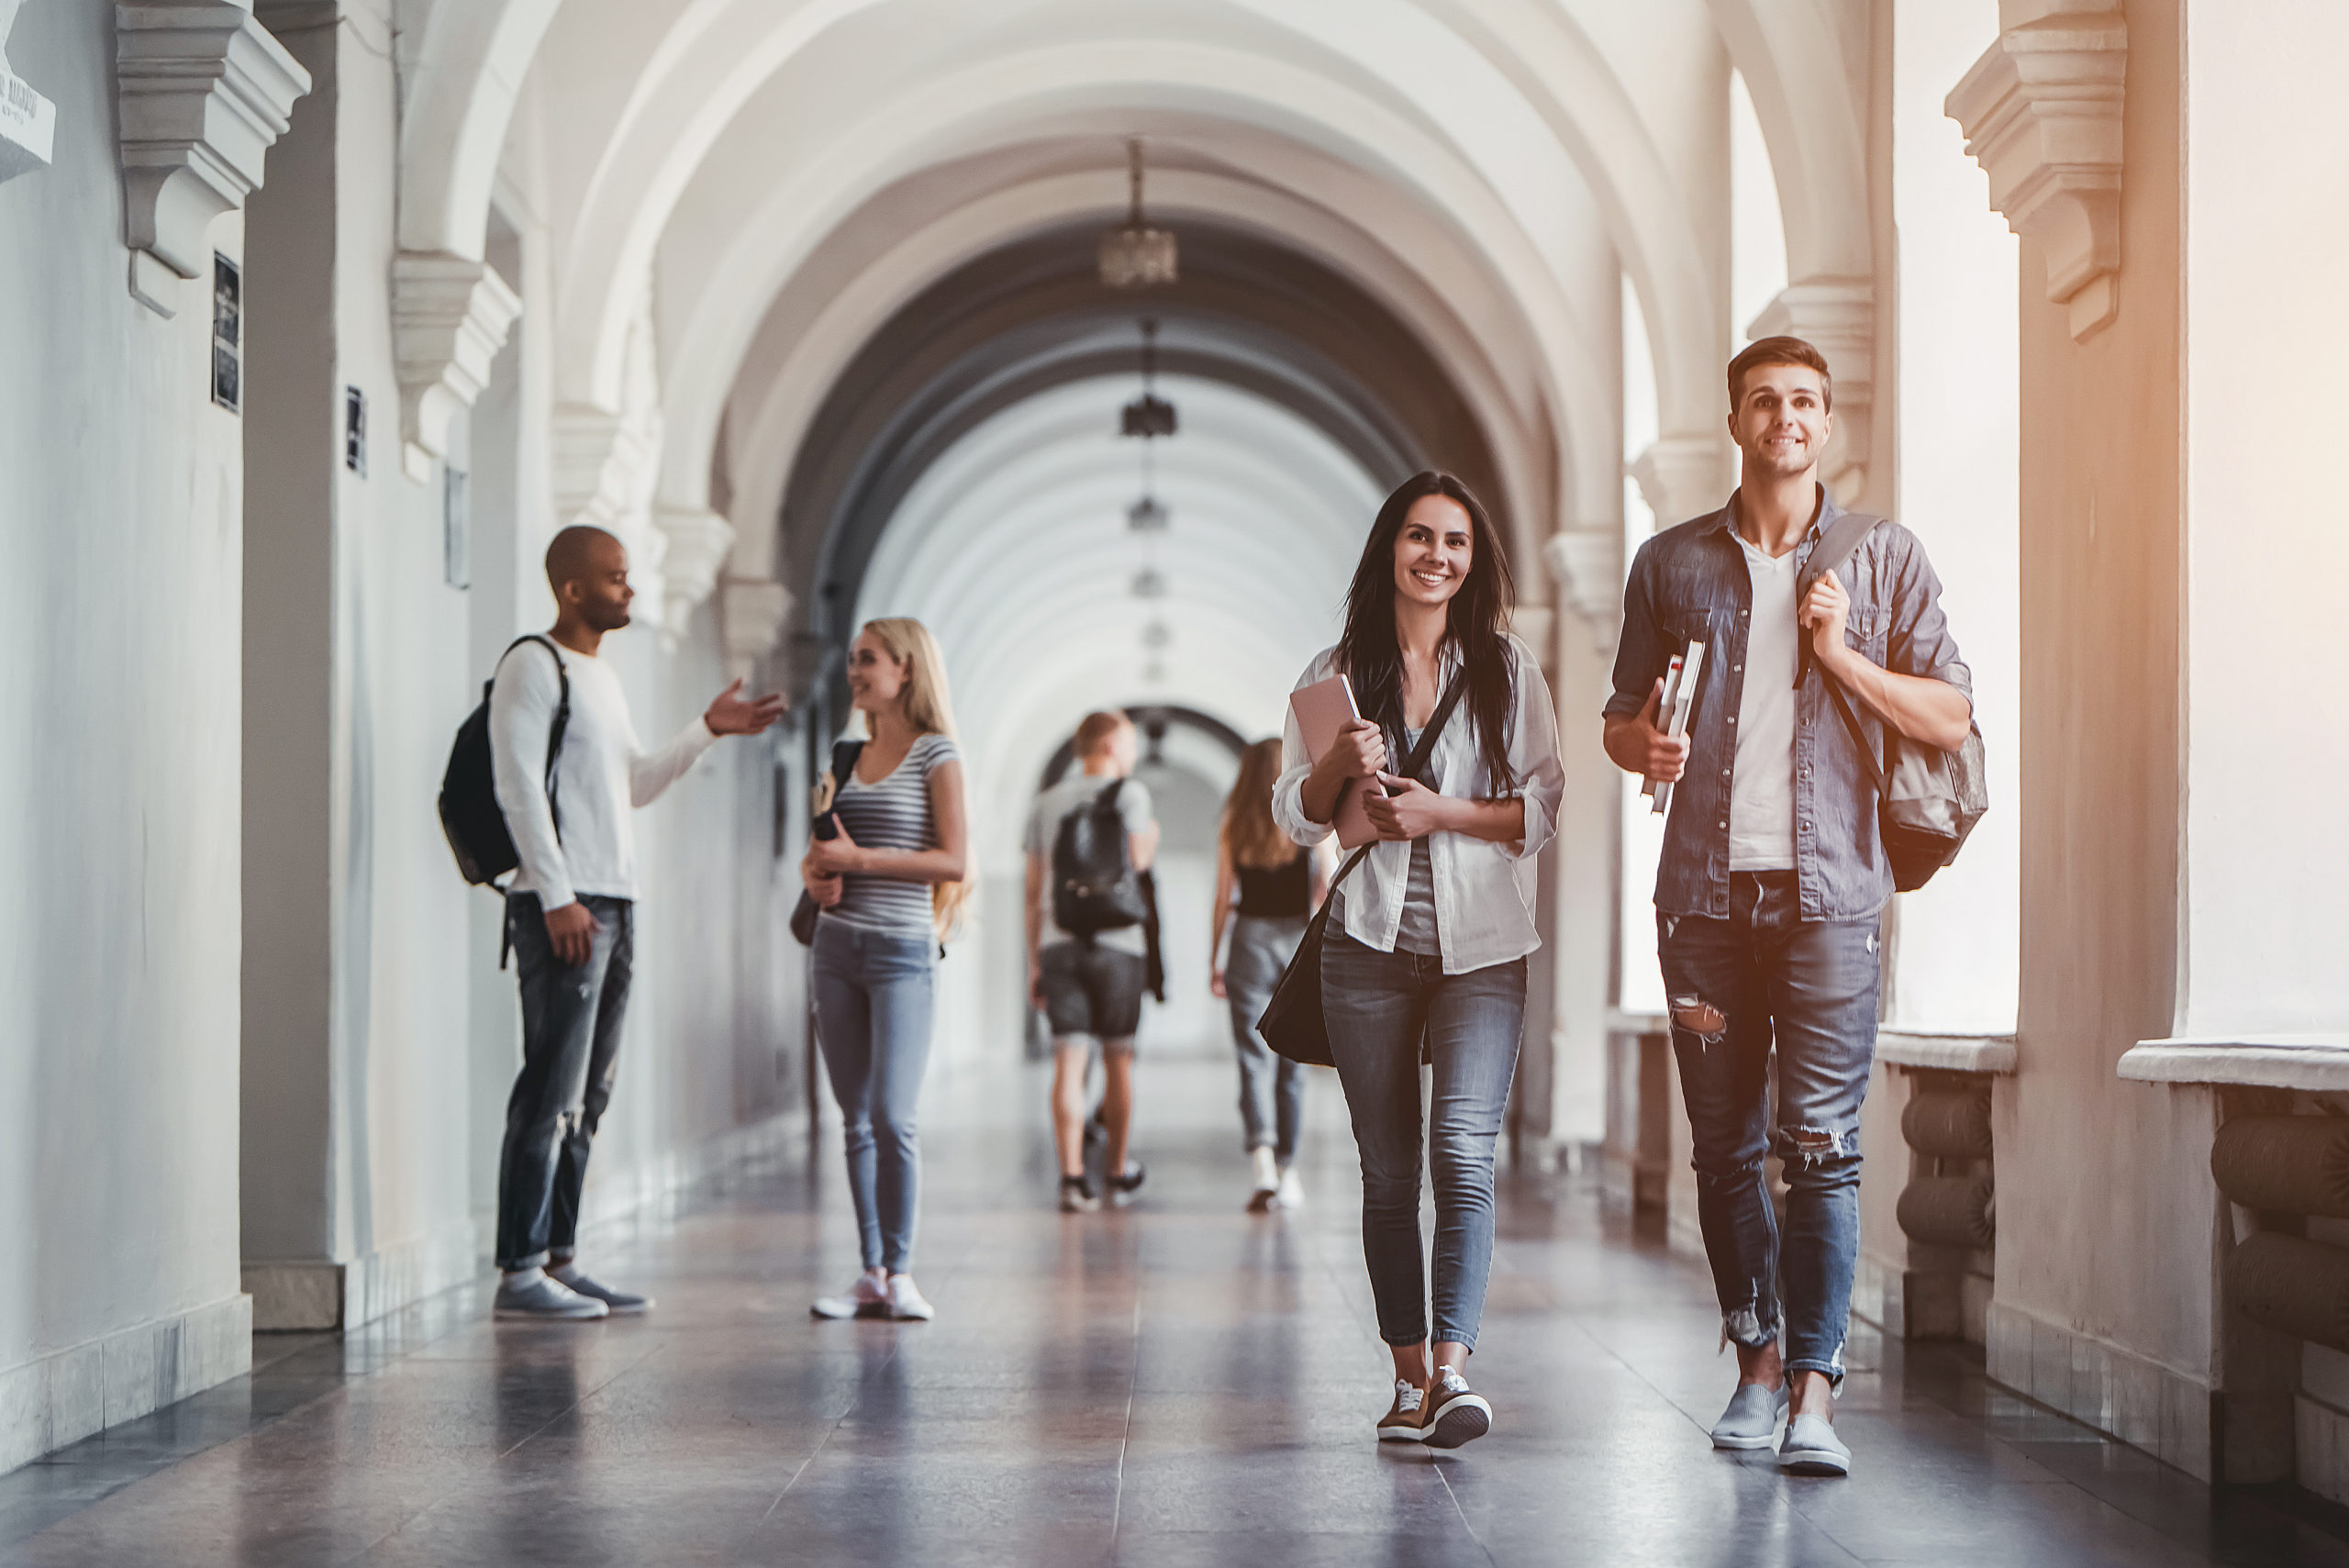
point(846, 754)
point(556, 730)
point(1837, 545)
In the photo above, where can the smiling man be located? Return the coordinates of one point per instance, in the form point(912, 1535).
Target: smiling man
point(1773, 880)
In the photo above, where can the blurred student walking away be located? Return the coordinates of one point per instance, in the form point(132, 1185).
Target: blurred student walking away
point(1089, 840)
point(1275, 885)
point(890, 884)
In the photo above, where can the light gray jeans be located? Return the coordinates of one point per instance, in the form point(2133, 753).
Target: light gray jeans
point(873, 997)
point(1272, 1088)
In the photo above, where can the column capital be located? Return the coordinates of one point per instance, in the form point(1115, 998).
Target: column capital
point(1685, 476)
point(2042, 114)
point(27, 120)
point(450, 317)
point(1587, 562)
point(698, 542)
point(752, 613)
point(203, 92)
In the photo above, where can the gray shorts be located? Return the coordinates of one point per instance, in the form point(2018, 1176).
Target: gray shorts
point(1092, 990)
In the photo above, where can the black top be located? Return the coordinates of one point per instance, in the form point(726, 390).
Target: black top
point(1282, 893)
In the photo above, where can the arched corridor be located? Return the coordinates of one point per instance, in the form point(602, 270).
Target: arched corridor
point(320, 319)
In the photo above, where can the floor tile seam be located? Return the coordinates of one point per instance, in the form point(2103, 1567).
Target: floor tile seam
point(822, 1443)
point(580, 1403)
point(1126, 1435)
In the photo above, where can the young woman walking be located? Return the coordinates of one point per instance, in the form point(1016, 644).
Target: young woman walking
point(1429, 936)
point(890, 887)
point(1278, 885)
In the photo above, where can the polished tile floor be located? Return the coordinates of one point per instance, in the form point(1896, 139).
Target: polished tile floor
point(1172, 1384)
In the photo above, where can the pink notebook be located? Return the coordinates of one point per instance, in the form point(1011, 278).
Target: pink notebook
point(1323, 710)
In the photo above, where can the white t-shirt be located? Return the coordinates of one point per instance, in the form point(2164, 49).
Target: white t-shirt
point(1762, 791)
point(602, 772)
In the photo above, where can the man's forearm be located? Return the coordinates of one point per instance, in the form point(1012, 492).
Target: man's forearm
point(1928, 711)
point(1624, 746)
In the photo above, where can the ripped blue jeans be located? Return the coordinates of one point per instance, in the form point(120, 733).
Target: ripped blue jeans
point(1736, 988)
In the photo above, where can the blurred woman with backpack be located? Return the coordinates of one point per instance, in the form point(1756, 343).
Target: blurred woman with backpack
point(889, 882)
point(1278, 886)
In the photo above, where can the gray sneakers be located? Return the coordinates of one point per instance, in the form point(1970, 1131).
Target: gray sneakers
point(533, 1294)
point(1812, 1448)
point(1752, 1419)
point(581, 1283)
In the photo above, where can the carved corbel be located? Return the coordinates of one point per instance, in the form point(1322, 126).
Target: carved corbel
point(1587, 565)
point(1837, 316)
point(205, 92)
point(1684, 476)
point(27, 120)
point(2042, 114)
point(450, 317)
point(698, 542)
point(750, 613)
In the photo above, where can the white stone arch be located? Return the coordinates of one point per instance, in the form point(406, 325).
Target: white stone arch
point(1795, 67)
point(464, 61)
point(792, 368)
point(724, 290)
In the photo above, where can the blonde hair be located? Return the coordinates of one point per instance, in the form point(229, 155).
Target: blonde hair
point(1248, 830)
point(930, 709)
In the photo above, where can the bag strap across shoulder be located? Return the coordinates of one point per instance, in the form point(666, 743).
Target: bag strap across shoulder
point(1412, 764)
point(1837, 545)
point(555, 730)
point(845, 756)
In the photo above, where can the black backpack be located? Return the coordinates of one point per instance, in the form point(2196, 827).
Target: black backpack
point(469, 815)
point(1095, 888)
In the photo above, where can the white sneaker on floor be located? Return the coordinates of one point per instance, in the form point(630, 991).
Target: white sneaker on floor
point(1268, 1180)
point(868, 1297)
point(1811, 1448)
point(905, 1302)
point(531, 1295)
point(1291, 1192)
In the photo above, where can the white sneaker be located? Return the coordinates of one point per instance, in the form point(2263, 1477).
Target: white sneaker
point(1291, 1192)
point(531, 1294)
point(868, 1297)
point(1268, 1180)
point(905, 1302)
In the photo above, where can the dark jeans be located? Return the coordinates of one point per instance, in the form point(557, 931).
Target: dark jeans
point(571, 1046)
point(872, 1013)
point(1272, 1088)
point(1736, 988)
point(1379, 1006)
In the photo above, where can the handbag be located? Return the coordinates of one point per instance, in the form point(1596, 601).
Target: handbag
point(1293, 1024)
point(803, 913)
point(1926, 800)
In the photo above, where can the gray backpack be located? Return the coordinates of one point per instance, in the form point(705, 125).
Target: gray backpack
point(1928, 800)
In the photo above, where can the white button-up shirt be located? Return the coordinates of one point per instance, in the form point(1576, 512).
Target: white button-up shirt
point(1484, 891)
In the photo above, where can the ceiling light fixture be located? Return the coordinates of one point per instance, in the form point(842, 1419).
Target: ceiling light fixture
point(1134, 255)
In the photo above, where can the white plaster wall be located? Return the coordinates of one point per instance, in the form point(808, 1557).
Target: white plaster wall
point(1957, 958)
point(2267, 223)
point(119, 498)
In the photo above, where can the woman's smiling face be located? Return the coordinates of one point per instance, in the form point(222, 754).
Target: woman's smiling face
point(1434, 550)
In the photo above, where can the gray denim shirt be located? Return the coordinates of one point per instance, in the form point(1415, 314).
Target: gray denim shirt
point(1691, 582)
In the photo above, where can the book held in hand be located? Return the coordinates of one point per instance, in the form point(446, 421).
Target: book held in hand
point(1678, 702)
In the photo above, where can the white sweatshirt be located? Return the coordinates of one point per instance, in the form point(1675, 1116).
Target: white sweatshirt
point(602, 772)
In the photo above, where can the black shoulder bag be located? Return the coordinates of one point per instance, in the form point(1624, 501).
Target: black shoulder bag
point(1926, 800)
point(827, 826)
point(1293, 1024)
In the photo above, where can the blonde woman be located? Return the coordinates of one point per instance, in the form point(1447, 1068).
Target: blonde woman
point(1278, 886)
point(889, 885)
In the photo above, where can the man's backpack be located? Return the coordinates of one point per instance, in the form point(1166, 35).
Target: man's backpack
point(1094, 884)
point(1928, 800)
point(470, 814)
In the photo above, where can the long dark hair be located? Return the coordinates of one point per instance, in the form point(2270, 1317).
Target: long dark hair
point(1476, 626)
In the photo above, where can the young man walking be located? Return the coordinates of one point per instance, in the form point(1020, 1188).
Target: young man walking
point(1089, 839)
point(1773, 878)
point(571, 910)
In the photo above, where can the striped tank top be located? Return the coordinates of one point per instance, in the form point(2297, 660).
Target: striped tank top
point(891, 814)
